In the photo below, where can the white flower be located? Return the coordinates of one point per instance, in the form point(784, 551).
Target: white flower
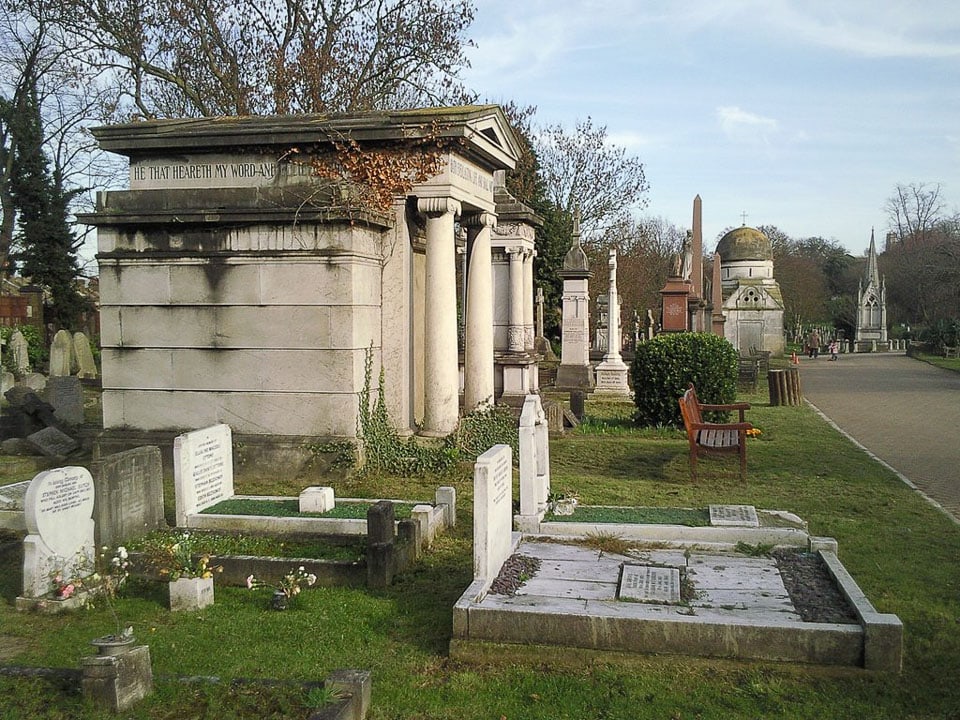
point(122, 552)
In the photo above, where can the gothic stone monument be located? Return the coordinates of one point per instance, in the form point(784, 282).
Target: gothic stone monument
point(244, 278)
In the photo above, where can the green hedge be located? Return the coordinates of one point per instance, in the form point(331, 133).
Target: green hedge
point(665, 365)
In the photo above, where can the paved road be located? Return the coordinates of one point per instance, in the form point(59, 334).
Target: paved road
point(904, 411)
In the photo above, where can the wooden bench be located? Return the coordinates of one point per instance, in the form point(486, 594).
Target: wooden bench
point(713, 438)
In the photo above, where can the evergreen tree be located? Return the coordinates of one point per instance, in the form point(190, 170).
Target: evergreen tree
point(46, 247)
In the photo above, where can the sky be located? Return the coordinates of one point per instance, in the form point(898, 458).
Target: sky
point(801, 114)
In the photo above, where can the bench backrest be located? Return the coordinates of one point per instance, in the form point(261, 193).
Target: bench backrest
point(690, 409)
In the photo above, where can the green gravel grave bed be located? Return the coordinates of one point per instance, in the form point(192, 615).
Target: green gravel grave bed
point(635, 516)
point(291, 508)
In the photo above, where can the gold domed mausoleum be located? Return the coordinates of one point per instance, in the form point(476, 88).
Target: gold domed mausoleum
point(752, 303)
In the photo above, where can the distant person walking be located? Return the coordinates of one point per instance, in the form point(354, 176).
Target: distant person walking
point(813, 344)
point(834, 348)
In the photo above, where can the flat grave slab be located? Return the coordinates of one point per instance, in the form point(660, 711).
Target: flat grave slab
point(649, 583)
point(11, 496)
point(577, 589)
point(734, 516)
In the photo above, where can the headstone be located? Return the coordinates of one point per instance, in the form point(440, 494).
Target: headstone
point(492, 511)
point(19, 352)
point(612, 371)
point(129, 495)
point(649, 583)
point(61, 354)
point(65, 394)
point(52, 442)
point(12, 496)
point(534, 463)
point(34, 381)
point(58, 510)
point(734, 516)
point(380, 544)
point(86, 366)
point(202, 469)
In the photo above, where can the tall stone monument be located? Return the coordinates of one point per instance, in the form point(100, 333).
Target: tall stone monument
point(574, 372)
point(612, 371)
point(254, 275)
point(516, 369)
point(871, 306)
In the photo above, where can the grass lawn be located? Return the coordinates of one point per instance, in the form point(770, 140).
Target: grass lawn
point(904, 554)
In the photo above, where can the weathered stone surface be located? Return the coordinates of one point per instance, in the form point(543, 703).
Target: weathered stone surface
point(52, 442)
point(129, 497)
point(65, 395)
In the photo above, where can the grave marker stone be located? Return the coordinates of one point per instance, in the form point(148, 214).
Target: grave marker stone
point(648, 583)
point(492, 511)
point(202, 469)
point(86, 366)
point(19, 352)
point(61, 354)
point(65, 394)
point(58, 512)
point(534, 463)
point(734, 516)
point(129, 495)
point(52, 442)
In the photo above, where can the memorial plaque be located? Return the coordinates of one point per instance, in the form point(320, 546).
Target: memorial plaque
point(734, 516)
point(202, 469)
point(65, 394)
point(647, 583)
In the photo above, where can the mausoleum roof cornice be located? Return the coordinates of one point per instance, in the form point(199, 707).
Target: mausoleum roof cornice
point(483, 130)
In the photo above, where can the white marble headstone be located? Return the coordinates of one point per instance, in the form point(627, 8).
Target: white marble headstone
point(58, 513)
point(202, 469)
point(534, 458)
point(61, 354)
point(492, 511)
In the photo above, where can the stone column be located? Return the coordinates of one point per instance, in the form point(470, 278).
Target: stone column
point(478, 351)
point(528, 336)
point(515, 332)
point(440, 358)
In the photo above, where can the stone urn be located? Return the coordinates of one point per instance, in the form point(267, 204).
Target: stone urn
point(110, 645)
point(191, 593)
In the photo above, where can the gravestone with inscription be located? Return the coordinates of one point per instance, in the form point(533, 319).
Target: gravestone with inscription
point(492, 511)
point(61, 355)
point(58, 512)
point(86, 366)
point(65, 394)
point(129, 497)
point(650, 583)
point(734, 516)
point(202, 469)
point(52, 442)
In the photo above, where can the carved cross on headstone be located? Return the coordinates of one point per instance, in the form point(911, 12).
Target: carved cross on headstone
point(743, 218)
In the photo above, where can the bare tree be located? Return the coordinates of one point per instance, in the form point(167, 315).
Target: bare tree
point(583, 170)
point(914, 210)
point(184, 58)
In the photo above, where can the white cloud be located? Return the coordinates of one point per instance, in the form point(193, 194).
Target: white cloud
point(740, 124)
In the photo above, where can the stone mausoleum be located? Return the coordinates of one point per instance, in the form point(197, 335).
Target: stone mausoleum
point(245, 278)
point(752, 302)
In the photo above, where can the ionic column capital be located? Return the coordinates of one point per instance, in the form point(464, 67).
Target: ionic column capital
point(437, 206)
point(479, 220)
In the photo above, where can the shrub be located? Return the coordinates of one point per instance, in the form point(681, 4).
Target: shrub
point(665, 365)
